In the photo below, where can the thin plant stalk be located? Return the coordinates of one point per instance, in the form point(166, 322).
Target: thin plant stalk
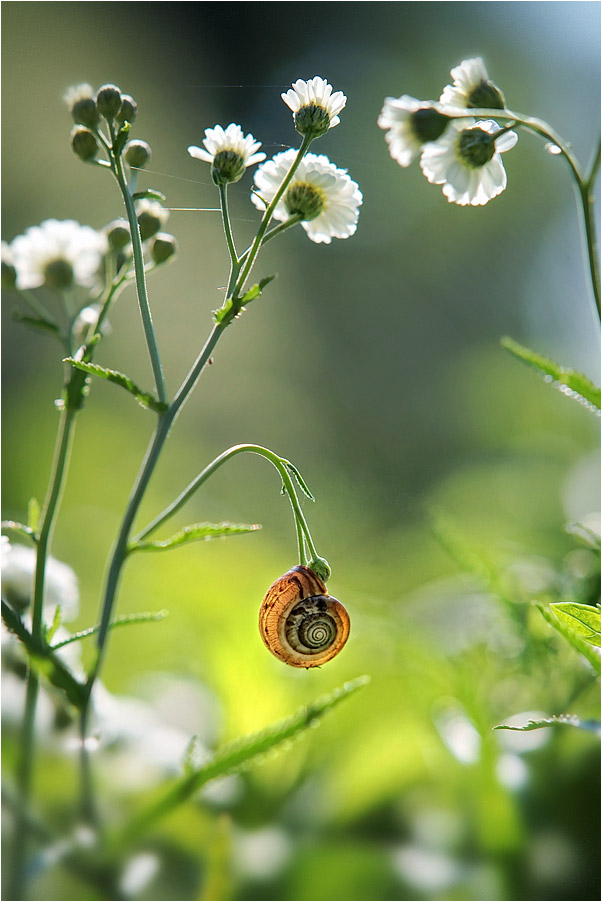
point(584, 184)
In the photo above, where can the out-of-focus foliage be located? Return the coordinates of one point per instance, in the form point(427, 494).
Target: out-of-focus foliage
point(444, 471)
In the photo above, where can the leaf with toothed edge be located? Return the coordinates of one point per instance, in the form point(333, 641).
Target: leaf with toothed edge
point(194, 533)
point(144, 398)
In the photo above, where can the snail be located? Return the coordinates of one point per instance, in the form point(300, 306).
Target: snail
point(300, 622)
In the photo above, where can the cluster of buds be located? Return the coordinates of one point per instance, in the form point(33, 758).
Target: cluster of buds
point(457, 152)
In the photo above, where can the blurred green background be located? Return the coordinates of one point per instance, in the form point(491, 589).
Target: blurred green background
point(374, 364)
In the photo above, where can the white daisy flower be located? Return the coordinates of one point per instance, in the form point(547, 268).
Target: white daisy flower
point(229, 151)
point(466, 161)
point(315, 108)
point(472, 88)
point(18, 569)
point(58, 255)
point(411, 123)
point(322, 196)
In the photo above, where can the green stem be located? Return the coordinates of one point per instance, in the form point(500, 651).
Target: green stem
point(583, 183)
point(145, 312)
point(57, 479)
point(258, 240)
point(303, 533)
point(223, 199)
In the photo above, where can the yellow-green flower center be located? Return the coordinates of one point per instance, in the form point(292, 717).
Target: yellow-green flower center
point(58, 274)
point(305, 200)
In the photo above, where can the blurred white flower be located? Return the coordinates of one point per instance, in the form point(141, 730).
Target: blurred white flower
point(472, 88)
point(18, 569)
point(58, 255)
point(229, 151)
point(411, 123)
point(466, 161)
point(315, 108)
point(324, 197)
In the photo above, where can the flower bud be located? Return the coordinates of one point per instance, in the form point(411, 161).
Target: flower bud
point(320, 567)
point(83, 142)
point(108, 101)
point(82, 105)
point(151, 218)
point(312, 119)
point(128, 111)
point(137, 154)
point(228, 167)
point(163, 247)
point(118, 234)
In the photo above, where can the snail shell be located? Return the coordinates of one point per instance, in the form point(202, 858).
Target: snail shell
point(300, 622)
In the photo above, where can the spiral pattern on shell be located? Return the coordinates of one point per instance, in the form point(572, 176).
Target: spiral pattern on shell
point(300, 622)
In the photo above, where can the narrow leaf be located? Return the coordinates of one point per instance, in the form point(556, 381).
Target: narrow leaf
point(582, 619)
point(255, 290)
point(146, 399)
point(43, 659)
point(300, 481)
point(194, 533)
point(20, 528)
point(56, 622)
point(239, 754)
point(570, 720)
point(124, 620)
point(37, 323)
point(570, 382)
point(579, 644)
point(33, 514)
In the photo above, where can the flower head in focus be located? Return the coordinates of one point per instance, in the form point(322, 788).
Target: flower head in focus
point(58, 255)
point(472, 88)
point(320, 195)
point(315, 108)
point(466, 161)
point(229, 151)
point(411, 123)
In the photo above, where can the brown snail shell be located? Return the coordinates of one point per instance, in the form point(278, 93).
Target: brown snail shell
point(300, 622)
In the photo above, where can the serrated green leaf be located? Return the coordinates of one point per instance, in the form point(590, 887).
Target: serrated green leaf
point(570, 720)
point(123, 620)
point(150, 193)
point(255, 290)
point(146, 399)
point(570, 382)
point(33, 514)
point(43, 659)
point(194, 533)
point(240, 754)
point(579, 644)
point(582, 619)
point(20, 528)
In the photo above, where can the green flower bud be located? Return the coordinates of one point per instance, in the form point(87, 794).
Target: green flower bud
point(83, 142)
point(312, 119)
point(128, 111)
point(118, 234)
point(137, 154)
point(163, 247)
point(321, 568)
point(228, 167)
point(151, 217)
point(304, 200)
point(108, 101)
point(82, 105)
